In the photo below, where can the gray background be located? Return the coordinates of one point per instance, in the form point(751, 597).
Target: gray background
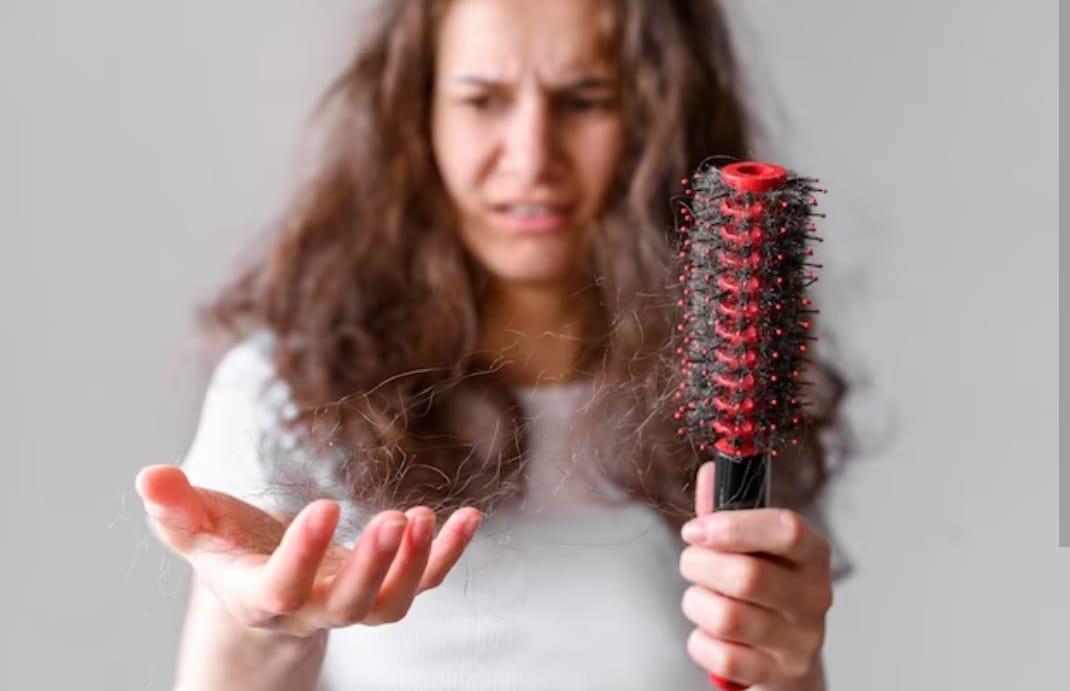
point(143, 143)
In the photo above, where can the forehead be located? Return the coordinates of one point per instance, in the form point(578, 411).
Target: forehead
point(508, 39)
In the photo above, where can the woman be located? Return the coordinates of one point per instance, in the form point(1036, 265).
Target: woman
point(465, 316)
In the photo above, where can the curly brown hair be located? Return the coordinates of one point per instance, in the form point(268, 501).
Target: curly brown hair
point(375, 307)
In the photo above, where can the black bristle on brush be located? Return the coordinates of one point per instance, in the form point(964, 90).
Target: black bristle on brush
point(747, 236)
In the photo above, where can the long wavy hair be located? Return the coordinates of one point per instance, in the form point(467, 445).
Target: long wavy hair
point(374, 306)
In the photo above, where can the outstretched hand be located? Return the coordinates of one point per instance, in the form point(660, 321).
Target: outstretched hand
point(289, 576)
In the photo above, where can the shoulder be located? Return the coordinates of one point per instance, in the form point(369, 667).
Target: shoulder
point(245, 444)
point(247, 364)
point(239, 417)
point(246, 383)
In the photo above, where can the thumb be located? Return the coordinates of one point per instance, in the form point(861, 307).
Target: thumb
point(170, 501)
point(704, 489)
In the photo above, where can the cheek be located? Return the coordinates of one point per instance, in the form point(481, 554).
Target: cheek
point(458, 155)
point(600, 154)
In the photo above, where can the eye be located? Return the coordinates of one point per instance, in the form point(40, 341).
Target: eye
point(483, 102)
point(580, 103)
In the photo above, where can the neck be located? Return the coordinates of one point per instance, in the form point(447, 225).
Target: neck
point(533, 332)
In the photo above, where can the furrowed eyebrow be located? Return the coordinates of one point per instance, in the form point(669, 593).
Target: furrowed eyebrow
point(581, 84)
point(588, 84)
point(474, 81)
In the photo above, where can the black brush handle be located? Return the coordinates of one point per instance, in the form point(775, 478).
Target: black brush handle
point(741, 482)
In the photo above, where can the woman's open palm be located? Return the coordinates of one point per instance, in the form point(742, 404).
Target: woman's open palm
point(290, 576)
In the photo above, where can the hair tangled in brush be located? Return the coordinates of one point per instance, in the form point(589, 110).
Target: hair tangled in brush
point(375, 306)
point(745, 331)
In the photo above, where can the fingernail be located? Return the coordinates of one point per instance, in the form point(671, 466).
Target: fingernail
point(422, 528)
point(320, 524)
point(693, 531)
point(471, 526)
point(390, 535)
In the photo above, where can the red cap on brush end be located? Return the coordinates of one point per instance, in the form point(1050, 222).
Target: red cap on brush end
point(752, 176)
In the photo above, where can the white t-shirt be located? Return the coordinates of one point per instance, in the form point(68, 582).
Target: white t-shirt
point(559, 593)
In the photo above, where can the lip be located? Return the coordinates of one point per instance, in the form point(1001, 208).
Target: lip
point(553, 220)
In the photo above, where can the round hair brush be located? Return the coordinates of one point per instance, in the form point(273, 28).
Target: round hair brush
point(747, 247)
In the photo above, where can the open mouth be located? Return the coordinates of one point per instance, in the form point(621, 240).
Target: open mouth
point(532, 218)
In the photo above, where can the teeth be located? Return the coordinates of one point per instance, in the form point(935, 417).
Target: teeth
point(529, 210)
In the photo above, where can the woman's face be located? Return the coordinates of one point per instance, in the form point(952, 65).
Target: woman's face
point(527, 132)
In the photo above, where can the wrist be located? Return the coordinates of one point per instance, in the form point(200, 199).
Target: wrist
point(296, 642)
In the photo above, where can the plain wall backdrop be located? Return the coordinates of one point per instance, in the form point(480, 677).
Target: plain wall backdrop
point(143, 144)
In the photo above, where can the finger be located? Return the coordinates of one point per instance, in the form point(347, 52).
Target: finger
point(731, 661)
point(449, 545)
point(736, 621)
point(403, 579)
point(704, 489)
point(175, 507)
point(287, 577)
point(777, 532)
point(355, 588)
point(747, 578)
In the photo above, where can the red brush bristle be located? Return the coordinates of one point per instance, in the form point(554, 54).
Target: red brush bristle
point(746, 265)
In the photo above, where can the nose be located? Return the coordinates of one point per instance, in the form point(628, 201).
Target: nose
point(530, 150)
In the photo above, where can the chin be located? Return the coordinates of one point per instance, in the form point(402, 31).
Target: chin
point(533, 277)
point(541, 269)
point(543, 266)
